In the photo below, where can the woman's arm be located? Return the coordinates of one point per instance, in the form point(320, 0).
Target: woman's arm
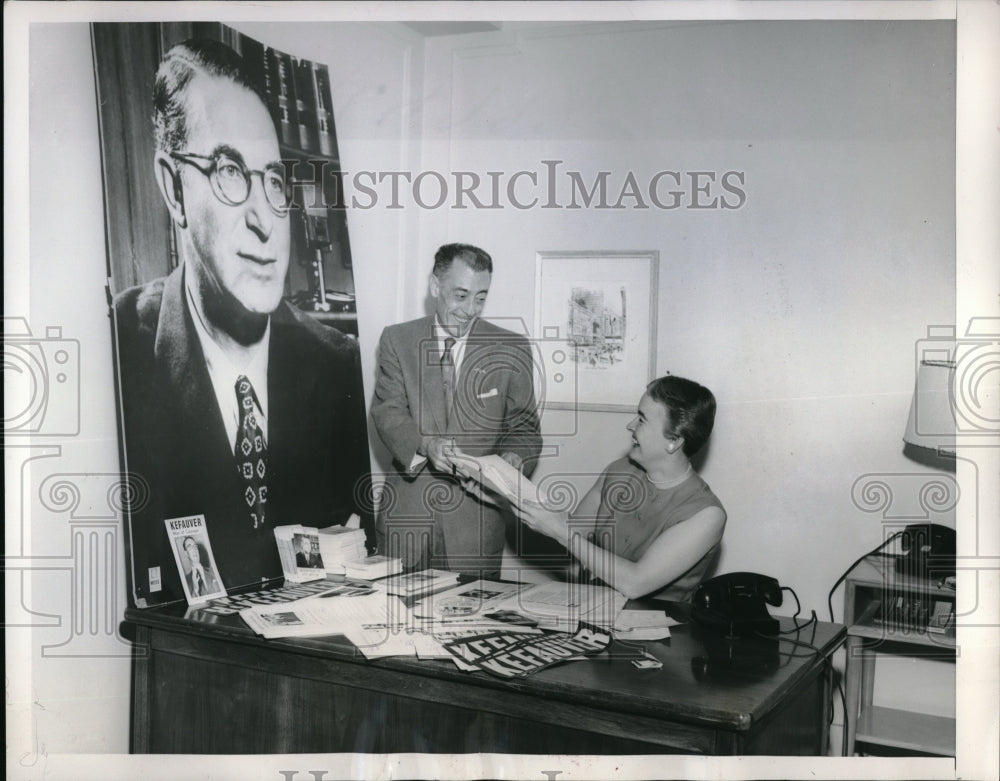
point(669, 556)
point(558, 525)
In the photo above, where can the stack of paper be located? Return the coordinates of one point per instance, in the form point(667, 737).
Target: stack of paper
point(415, 584)
point(340, 544)
point(643, 625)
point(497, 475)
point(373, 567)
point(299, 551)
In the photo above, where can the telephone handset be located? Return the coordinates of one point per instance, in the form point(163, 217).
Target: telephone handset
point(928, 551)
point(734, 604)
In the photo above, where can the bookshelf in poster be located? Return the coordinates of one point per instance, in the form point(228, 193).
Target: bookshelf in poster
point(297, 93)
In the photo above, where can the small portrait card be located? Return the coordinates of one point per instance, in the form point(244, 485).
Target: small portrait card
point(195, 560)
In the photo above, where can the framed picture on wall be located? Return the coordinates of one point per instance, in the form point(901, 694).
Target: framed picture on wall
point(595, 322)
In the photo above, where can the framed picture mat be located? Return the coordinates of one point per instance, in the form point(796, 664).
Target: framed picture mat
point(595, 326)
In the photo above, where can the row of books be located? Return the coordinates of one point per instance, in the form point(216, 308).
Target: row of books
point(298, 96)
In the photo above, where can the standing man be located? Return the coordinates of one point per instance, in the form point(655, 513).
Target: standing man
point(234, 405)
point(447, 384)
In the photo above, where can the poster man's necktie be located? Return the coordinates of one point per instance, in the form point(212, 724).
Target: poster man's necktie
point(448, 377)
point(251, 453)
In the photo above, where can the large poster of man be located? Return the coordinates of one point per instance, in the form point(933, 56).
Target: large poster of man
point(239, 399)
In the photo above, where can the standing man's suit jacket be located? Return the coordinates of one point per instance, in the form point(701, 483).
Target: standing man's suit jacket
point(177, 453)
point(494, 412)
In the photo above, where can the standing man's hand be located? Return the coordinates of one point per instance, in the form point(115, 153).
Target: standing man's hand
point(438, 450)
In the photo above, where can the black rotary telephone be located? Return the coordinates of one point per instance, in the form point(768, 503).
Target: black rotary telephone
point(734, 604)
point(928, 551)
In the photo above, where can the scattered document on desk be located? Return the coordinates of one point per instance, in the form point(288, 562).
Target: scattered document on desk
point(466, 601)
point(433, 636)
point(563, 606)
point(289, 592)
point(516, 654)
point(498, 475)
point(311, 616)
point(414, 584)
point(373, 567)
point(643, 625)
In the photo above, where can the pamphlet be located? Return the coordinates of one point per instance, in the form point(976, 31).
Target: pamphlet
point(373, 567)
point(562, 606)
point(414, 584)
point(315, 615)
point(497, 475)
point(643, 625)
point(194, 558)
point(298, 549)
point(466, 601)
point(516, 654)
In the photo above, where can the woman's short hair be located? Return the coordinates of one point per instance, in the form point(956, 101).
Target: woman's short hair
point(177, 68)
point(690, 410)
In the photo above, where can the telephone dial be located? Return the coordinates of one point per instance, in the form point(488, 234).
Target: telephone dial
point(734, 604)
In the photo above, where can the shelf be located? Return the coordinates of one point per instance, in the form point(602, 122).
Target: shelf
point(882, 609)
point(907, 730)
point(944, 641)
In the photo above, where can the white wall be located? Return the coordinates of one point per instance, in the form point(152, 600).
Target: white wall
point(799, 310)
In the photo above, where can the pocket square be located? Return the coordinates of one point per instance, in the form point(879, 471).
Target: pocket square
point(490, 393)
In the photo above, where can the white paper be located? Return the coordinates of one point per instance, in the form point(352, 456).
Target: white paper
point(643, 625)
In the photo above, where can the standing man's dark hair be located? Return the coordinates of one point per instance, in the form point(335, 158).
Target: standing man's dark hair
point(477, 259)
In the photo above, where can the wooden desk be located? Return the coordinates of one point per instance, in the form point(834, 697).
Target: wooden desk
point(212, 686)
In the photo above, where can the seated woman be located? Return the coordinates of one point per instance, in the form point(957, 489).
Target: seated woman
point(649, 526)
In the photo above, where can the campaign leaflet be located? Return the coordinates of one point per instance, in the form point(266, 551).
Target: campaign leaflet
point(194, 558)
point(516, 654)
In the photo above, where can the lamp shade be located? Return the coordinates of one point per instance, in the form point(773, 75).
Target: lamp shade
point(931, 423)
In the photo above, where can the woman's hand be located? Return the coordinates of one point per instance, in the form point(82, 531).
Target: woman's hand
point(539, 519)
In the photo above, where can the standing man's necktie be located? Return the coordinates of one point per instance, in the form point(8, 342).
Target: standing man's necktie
point(448, 377)
point(197, 583)
point(251, 453)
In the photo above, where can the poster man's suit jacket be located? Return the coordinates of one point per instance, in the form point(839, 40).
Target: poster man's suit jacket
point(177, 452)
